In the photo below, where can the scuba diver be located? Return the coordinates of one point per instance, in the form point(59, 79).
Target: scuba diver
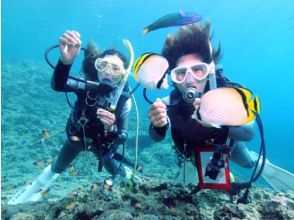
point(99, 118)
point(191, 60)
point(188, 54)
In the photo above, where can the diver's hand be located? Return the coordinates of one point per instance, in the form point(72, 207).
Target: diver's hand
point(158, 114)
point(107, 118)
point(196, 104)
point(69, 45)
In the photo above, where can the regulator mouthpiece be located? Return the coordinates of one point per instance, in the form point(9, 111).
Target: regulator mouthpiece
point(190, 94)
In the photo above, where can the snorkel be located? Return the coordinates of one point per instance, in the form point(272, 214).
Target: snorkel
point(114, 99)
point(212, 77)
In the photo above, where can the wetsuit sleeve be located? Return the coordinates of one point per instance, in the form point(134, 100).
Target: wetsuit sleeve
point(122, 123)
point(242, 133)
point(158, 133)
point(60, 81)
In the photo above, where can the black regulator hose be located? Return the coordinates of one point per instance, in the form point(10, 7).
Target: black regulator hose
point(46, 55)
point(236, 187)
point(262, 149)
point(145, 96)
point(48, 50)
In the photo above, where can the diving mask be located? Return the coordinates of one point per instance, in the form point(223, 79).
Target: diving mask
point(198, 71)
point(110, 64)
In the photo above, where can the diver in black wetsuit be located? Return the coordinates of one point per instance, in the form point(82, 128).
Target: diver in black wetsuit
point(188, 53)
point(91, 125)
point(99, 119)
point(191, 66)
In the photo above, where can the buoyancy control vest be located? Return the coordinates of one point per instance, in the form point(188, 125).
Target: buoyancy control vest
point(84, 112)
point(188, 133)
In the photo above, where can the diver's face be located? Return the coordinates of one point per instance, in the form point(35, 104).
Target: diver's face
point(191, 81)
point(110, 67)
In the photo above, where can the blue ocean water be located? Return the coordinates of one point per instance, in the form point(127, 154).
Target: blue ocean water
point(256, 38)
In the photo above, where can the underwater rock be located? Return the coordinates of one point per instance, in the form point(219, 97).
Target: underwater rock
point(156, 200)
point(114, 215)
point(236, 211)
point(23, 216)
point(278, 207)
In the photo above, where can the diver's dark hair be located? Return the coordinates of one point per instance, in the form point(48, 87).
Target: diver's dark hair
point(190, 39)
point(91, 54)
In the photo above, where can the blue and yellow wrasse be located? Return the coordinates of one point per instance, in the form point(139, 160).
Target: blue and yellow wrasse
point(174, 19)
point(227, 107)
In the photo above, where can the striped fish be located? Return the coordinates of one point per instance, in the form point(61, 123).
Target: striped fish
point(150, 71)
point(227, 107)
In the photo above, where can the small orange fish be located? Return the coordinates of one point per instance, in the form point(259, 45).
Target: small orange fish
point(107, 187)
point(45, 134)
point(45, 192)
point(74, 173)
point(70, 206)
point(73, 170)
point(38, 163)
point(173, 209)
point(94, 186)
point(137, 205)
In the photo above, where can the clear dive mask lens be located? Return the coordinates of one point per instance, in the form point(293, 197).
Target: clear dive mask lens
point(199, 71)
point(107, 63)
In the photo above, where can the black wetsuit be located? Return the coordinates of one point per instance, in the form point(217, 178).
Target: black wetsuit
point(187, 133)
point(90, 135)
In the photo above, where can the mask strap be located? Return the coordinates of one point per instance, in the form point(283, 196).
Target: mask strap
point(161, 80)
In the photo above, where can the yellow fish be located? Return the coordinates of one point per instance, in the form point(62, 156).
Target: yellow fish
point(150, 71)
point(227, 107)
